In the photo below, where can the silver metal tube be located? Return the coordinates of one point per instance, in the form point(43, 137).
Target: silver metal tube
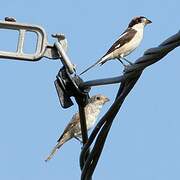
point(65, 59)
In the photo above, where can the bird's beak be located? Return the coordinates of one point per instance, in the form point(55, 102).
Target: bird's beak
point(106, 99)
point(148, 21)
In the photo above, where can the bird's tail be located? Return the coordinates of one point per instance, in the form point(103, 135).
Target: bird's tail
point(53, 151)
point(100, 61)
point(64, 138)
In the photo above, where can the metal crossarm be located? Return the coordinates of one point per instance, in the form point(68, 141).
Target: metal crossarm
point(42, 48)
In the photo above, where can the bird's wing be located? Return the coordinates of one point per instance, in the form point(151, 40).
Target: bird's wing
point(65, 136)
point(125, 37)
point(74, 121)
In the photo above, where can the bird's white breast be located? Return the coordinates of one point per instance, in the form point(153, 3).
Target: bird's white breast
point(91, 115)
point(130, 46)
point(136, 40)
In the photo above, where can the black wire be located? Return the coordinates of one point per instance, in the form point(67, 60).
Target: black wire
point(102, 122)
point(128, 80)
point(99, 144)
point(100, 141)
point(81, 100)
point(105, 81)
point(96, 130)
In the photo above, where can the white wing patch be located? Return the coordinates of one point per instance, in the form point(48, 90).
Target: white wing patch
point(118, 45)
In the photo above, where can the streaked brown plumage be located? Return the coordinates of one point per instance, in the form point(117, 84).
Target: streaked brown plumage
point(73, 130)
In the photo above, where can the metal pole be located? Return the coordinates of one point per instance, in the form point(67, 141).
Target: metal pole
point(82, 101)
point(65, 59)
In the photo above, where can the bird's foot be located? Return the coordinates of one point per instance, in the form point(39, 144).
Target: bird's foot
point(78, 139)
point(124, 65)
point(128, 61)
point(122, 62)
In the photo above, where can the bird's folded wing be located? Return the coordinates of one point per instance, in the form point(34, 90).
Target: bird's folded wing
point(74, 121)
point(125, 37)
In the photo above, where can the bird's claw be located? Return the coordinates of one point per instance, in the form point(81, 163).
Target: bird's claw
point(129, 62)
point(78, 139)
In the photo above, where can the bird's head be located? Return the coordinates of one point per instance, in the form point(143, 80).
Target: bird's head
point(99, 99)
point(139, 20)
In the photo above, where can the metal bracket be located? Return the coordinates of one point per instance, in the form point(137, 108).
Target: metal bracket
point(66, 85)
point(43, 49)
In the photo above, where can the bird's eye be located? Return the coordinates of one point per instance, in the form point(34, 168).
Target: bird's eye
point(98, 98)
point(143, 20)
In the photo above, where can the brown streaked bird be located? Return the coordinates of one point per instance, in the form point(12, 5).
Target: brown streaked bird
point(73, 129)
point(129, 40)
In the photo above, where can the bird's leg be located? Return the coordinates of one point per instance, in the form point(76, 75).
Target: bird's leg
point(122, 62)
point(127, 61)
point(78, 139)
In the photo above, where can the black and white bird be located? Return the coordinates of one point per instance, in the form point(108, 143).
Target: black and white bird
point(128, 41)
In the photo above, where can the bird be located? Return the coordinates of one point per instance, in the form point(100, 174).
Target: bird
point(128, 41)
point(73, 129)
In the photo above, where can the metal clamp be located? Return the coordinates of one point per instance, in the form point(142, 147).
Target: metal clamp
point(68, 86)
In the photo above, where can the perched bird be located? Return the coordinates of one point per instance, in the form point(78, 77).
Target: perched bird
point(73, 129)
point(127, 42)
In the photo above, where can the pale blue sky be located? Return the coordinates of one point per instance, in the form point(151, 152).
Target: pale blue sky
point(144, 142)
